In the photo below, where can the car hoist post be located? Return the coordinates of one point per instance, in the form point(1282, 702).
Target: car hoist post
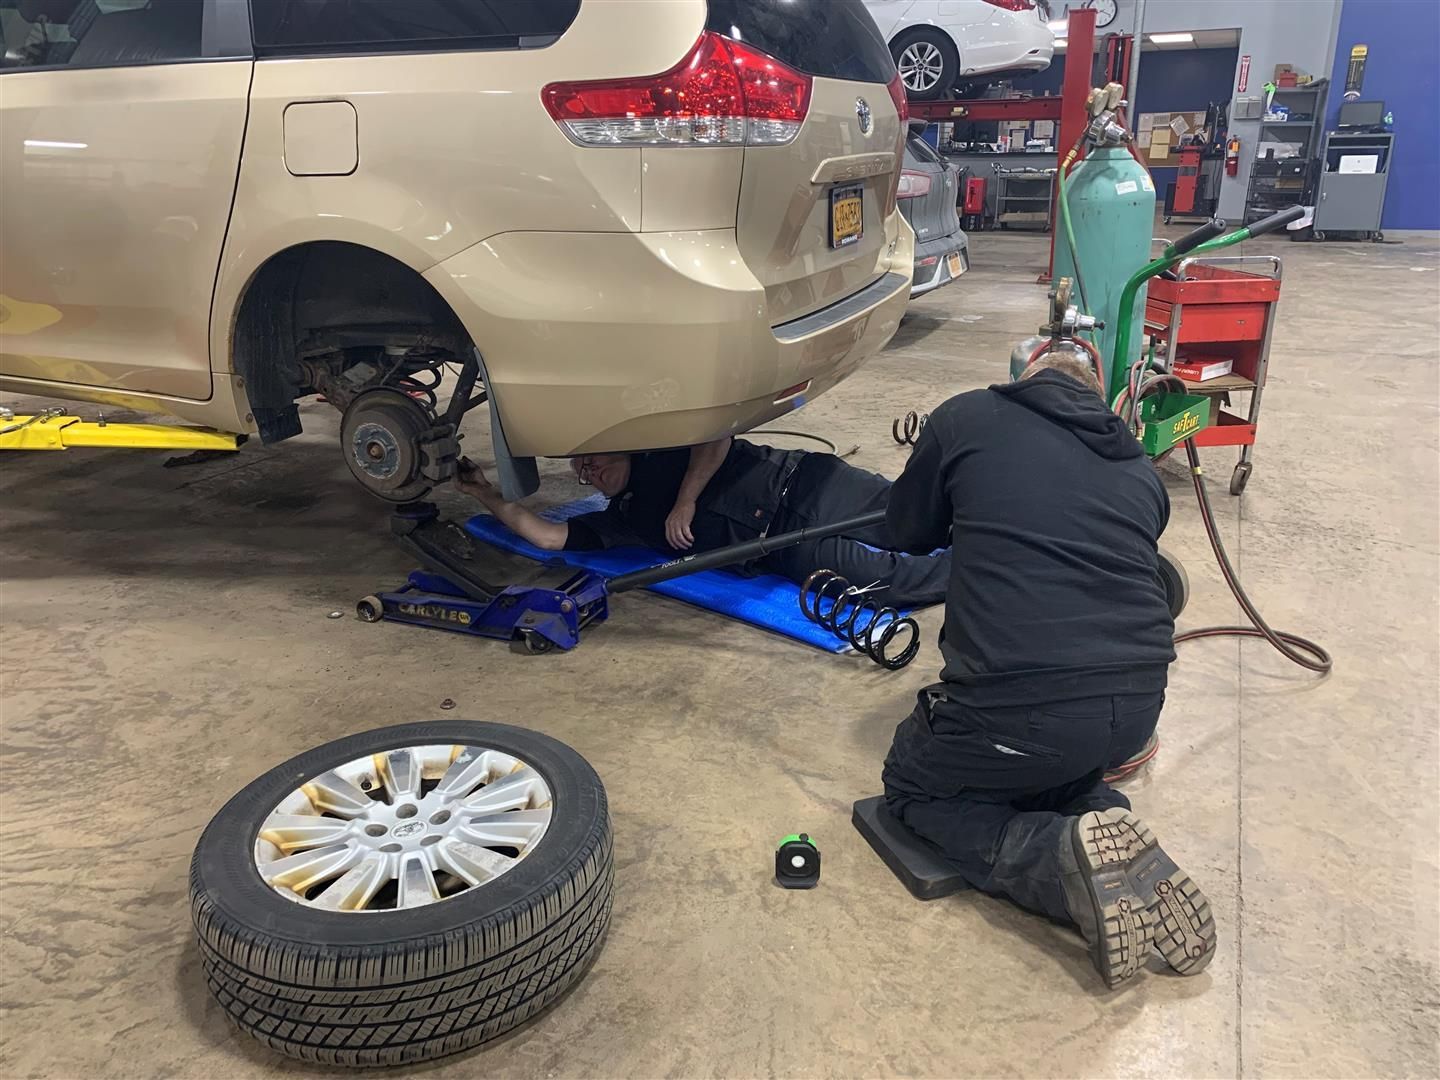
point(56, 430)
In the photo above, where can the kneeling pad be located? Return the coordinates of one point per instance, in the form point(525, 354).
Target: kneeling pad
point(916, 862)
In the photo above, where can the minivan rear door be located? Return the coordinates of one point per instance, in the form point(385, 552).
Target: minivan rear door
point(813, 222)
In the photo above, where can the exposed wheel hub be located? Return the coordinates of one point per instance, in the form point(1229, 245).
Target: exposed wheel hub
point(384, 436)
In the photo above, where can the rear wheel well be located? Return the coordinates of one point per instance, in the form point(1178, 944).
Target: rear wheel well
point(338, 314)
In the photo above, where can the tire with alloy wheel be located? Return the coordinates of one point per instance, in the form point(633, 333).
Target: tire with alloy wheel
point(405, 893)
point(928, 62)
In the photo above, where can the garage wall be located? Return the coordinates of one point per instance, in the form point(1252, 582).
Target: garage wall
point(1299, 32)
point(1183, 80)
point(1402, 36)
point(1179, 80)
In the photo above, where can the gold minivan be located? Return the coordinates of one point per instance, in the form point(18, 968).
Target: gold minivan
point(623, 224)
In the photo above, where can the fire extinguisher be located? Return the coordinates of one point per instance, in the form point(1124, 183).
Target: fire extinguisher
point(1232, 156)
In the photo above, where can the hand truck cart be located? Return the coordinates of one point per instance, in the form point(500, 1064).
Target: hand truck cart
point(1220, 308)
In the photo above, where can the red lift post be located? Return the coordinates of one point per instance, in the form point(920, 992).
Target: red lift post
point(1068, 110)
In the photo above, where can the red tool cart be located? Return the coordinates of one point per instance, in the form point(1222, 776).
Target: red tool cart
point(1216, 310)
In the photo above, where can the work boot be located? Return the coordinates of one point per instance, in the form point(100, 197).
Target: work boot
point(1101, 897)
point(1180, 916)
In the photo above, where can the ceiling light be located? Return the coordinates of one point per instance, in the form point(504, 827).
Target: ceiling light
point(1184, 38)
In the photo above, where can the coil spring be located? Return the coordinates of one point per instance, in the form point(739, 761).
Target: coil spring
point(422, 384)
point(845, 617)
point(906, 429)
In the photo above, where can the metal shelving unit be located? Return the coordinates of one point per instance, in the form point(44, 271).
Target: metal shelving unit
point(1281, 182)
point(1024, 196)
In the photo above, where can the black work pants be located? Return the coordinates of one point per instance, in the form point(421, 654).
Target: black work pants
point(826, 489)
point(997, 790)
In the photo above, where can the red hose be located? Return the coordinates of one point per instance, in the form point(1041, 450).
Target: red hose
point(1044, 347)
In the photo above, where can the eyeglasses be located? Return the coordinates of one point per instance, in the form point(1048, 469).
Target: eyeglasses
point(585, 472)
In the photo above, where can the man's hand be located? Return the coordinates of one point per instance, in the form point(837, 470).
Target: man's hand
point(677, 526)
point(471, 480)
point(550, 535)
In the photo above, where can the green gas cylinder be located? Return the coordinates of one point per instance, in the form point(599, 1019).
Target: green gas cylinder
point(1111, 202)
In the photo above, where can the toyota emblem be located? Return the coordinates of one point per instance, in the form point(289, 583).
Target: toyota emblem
point(862, 113)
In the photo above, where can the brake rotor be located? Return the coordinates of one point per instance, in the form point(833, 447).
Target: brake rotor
point(380, 436)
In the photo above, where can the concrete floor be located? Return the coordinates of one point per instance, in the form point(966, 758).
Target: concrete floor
point(167, 641)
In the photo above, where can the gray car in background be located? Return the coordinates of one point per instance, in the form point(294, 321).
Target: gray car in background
point(929, 189)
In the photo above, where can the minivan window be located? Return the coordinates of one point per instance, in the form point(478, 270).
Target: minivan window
point(99, 33)
point(834, 39)
point(330, 26)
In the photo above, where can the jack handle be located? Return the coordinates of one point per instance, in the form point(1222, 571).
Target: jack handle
point(737, 553)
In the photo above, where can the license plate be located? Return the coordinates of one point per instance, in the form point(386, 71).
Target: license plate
point(847, 215)
point(955, 263)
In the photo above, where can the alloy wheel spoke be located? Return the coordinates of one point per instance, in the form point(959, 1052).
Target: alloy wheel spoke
point(331, 791)
point(417, 883)
point(291, 832)
point(304, 869)
point(400, 773)
point(516, 828)
point(470, 769)
point(355, 888)
point(476, 865)
point(514, 792)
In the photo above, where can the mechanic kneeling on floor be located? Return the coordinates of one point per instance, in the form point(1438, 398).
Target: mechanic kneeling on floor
point(728, 492)
point(1056, 645)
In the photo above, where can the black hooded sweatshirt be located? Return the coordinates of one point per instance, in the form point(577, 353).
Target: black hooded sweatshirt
point(1054, 512)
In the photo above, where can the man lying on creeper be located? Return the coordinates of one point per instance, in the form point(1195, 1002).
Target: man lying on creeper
point(728, 492)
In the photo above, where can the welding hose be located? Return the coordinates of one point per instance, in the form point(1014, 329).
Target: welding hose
point(1063, 199)
point(1293, 647)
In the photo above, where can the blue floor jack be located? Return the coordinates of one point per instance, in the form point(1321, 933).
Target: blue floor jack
point(449, 593)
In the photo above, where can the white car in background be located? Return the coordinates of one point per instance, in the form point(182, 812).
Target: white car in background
point(937, 42)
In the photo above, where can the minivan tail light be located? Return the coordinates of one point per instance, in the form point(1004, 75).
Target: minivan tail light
point(913, 185)
point(902, 111)
point(723, 93)
point(902, 103)
point(1013, 5)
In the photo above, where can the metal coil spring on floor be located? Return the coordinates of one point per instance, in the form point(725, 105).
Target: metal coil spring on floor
point(846, 618)
point(905, 430)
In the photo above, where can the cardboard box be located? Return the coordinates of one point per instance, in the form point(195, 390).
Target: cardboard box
point(1199, 369)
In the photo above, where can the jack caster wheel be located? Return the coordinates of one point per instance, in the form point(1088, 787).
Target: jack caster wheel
point(405, 893)
point(370, 609)
point(535, 644)
point(1239, 478)
point(1174, 582)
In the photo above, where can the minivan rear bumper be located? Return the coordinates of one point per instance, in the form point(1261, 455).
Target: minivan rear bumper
point(629, 341)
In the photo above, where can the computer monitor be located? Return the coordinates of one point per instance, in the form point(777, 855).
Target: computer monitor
point(1362, 114)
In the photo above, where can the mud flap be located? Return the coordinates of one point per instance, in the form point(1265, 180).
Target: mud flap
point(519, 476)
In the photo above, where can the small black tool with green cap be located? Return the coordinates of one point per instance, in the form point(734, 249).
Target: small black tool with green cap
point(797, 862)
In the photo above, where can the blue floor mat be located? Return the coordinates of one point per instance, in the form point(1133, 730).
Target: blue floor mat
point(768, 601)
